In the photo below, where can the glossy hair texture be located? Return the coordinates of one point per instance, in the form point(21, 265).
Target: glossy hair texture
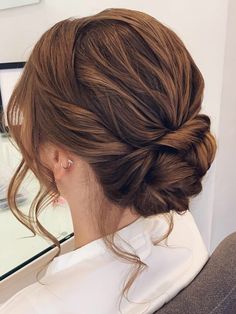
point(120, 90)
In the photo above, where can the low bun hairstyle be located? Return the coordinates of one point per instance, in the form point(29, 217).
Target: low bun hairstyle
point(119, 89)
point(150, 93)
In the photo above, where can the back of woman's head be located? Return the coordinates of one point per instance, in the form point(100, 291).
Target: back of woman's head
point(119, 89)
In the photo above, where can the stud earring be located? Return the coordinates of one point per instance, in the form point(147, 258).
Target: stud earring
point(69, 163)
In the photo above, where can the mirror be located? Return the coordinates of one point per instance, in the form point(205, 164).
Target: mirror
point(20, 246)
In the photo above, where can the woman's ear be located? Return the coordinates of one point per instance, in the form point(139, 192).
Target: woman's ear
point(56, 159)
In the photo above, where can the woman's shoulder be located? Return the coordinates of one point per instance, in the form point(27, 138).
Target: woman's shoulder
point(183, 234)
point(173, 263)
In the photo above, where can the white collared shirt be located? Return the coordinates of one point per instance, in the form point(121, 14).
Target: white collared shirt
point(90, 279)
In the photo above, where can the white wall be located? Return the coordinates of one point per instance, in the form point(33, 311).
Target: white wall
point(223, 220)
point(202, 25)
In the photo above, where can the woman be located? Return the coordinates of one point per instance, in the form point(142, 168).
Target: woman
point(106, 115)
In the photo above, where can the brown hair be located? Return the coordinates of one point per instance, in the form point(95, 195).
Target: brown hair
point(120, 90)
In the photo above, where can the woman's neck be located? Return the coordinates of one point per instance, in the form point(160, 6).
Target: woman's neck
point(86, 231)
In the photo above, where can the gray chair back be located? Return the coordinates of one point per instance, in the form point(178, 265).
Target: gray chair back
point(213, 291)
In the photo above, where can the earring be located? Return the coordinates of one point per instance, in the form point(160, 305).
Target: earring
point(70, 162)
